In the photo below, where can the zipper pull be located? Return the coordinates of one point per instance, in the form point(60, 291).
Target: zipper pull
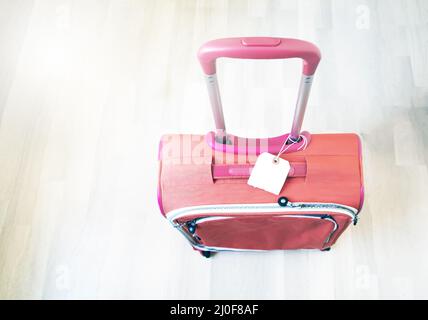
point(355, 220)
point(191, 226)
point(283, 201)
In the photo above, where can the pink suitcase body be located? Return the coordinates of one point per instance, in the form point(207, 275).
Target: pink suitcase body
point(203, 188)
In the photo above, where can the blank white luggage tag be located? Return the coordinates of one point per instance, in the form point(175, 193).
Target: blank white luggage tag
point(269, 173)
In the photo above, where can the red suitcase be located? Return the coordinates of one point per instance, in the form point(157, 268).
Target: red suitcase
point(203, 179)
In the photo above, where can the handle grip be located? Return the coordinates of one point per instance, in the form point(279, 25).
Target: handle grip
point(259, 48)
point(243, 171)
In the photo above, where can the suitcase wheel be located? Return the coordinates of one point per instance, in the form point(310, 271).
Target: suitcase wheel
point(206, 254)
point(326, 249)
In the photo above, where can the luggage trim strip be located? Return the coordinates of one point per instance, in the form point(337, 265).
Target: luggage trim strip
point(271, 207)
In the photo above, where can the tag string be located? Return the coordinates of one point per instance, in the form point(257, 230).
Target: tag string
point(285, 147)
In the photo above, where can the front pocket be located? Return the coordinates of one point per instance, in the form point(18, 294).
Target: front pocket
point(265, 232)
point(262, 226)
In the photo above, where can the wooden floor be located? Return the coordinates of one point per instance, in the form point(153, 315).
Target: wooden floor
point(88, 87)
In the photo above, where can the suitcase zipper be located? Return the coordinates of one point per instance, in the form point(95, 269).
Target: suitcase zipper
point(237, 209)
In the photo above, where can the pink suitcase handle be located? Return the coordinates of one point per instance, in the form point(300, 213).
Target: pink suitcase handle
point(259, 48)
point(243, 171)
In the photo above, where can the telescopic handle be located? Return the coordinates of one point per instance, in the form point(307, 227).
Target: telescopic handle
point(259, 48)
